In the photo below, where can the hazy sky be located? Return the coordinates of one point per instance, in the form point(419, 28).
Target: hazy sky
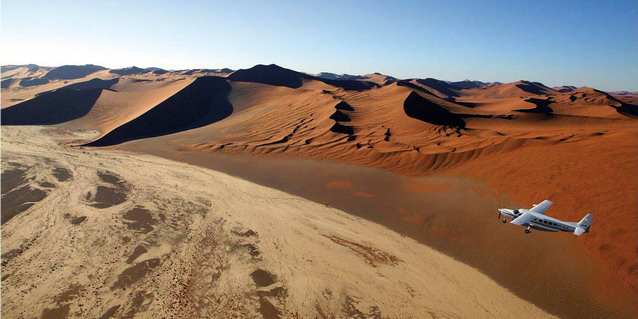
point(554, 42)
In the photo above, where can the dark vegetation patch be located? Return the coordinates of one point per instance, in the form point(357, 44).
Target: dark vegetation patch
point(12, 178)
point(6, 256)
point(371, 255)
point(76, 220)
point(47, 185)
point(107, 196)
point(62, 174)
point(139, 303)
point(18, 200)
point(139, 219)
point(351, 311)
point(247, 233)
point(262, 278)
point(138, 251)
point(60, 312)
point(108, 177)
point(267, 310)
point(134, 273)
point(69, 294)
point(110, 312)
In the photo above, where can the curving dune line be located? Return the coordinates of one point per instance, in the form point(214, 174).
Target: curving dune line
point(56, 107)
point(203, 102)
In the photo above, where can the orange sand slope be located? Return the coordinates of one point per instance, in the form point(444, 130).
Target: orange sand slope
point(120, 235)
point(576, 146)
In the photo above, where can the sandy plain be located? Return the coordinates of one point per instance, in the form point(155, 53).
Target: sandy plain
point(124, 235)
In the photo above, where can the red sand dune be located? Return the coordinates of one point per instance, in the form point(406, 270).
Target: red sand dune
point(525, 141)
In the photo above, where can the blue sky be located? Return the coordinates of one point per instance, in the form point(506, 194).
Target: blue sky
point(554, 42)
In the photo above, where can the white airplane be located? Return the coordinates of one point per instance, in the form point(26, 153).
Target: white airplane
point(535, 218)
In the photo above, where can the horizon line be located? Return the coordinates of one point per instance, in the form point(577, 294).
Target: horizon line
point(313, 74)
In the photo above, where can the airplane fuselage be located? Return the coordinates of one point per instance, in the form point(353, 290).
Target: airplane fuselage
point(540, 221)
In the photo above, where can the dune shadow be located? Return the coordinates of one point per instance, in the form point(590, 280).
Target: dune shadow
point(67, 72)
point(531, 87)
point(5, 84)
point(542, 106)
point(339, 117)
point(202, 102)
point(33, 82)
point(415, 87)
point(628, 110)
point(418, 107)
point(128, 71)
point(268, 74)
point(93, 84)
point(466, 104)
point(444, 88)
point(344, 106)
point(346, 84)
point(275, 75)
point(51, 108)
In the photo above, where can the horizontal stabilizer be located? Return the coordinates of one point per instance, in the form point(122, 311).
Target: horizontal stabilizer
point(579, 231)
point(586, 221)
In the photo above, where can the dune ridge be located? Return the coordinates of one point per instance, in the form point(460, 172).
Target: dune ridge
point(202, 102)
point(504, 134)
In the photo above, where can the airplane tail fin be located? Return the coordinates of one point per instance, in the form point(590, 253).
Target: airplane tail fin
point(583, 225)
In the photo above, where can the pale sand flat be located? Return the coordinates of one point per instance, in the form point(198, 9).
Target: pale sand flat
point(188, 242)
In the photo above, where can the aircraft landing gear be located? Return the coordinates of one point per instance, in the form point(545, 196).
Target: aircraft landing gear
point(527, 231)
point(504, 220)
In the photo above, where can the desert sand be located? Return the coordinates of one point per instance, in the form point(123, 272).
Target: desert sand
point(124, 235)
point(429, 159)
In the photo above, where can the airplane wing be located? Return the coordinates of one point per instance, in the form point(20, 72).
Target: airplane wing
point(523, 219)
point(542, 207)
